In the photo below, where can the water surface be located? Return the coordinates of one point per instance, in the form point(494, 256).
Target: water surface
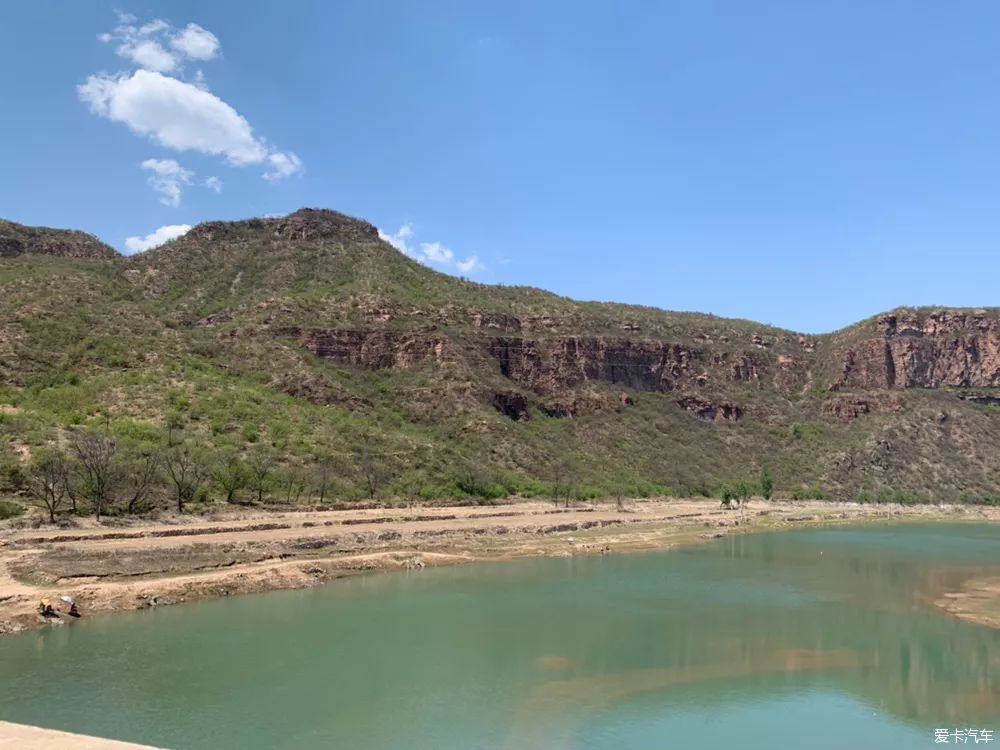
point(820, 639)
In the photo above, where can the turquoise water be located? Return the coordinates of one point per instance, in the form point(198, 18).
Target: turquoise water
point(810, 639)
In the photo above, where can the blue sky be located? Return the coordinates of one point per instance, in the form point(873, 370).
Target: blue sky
point(799, 163)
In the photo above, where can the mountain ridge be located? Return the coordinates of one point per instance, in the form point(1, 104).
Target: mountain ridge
point(312, 317)
point(20, 239)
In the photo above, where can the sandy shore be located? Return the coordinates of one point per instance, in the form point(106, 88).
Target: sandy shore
point(118, 568)
point(978, 601)
point(23, 737)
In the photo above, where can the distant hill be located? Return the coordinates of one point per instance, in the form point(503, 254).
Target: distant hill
point(308, 337)
point(17, 239)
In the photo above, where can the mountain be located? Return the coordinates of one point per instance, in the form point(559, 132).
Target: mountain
point(309, 337)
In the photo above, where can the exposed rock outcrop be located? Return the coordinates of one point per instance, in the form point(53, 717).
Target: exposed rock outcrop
point(710, 412)
point(916, 350)
point(548, 366)
point(372, 349)
point(981, 398)
point(848, 409)
point(496, 321)
point(316, 223)
point(512, 405)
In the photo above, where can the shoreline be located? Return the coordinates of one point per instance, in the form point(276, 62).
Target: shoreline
point(186, 559)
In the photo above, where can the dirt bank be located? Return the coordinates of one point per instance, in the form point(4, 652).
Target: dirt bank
point(109, 569)
point(23, 737)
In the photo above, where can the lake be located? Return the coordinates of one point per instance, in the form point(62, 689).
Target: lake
point(816, 638)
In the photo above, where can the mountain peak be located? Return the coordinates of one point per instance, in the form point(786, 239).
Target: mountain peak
point(18, 239)
point(304, 224)
point(315, 223)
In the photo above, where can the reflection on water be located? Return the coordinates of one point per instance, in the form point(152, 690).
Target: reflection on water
point(544, 714)
point(796, 631)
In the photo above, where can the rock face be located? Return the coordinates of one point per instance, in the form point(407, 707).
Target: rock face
point(710, 412)
point(17, 239)
point(948, 349)
point(548, 366)
point(848, 409)
point(512, 405)
point(373, 350)
point(908, 350)
point(913, 350)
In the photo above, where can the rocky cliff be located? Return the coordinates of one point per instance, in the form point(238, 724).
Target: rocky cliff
point(945, 348)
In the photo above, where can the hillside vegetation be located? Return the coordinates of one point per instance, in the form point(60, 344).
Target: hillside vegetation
point(303, 360)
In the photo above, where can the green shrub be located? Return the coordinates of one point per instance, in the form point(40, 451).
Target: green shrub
point(810, 493)
point(990, 500)
point(766, 484)
point(535, 488)
point(890, 495)
point(584, 493)
point(9, 510)
point(137, 431)
point(803, 431)
point(473, 482)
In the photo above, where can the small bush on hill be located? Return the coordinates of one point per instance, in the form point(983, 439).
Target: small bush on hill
point(809, 493)
point(9, 510)
point(890, 495)
point(990, 500)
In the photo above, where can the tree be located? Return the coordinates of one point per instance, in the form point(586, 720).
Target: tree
point(743, 491)
point(322, 478)
point(232, 475)
point(98, 467)
point(142, 474)
point(294, 485)
point(560, 483)
point(261, 466)
point(619, 494)
point(738, 492)
point(766, 484)
point(175, 423)
point(47, 481)
point(371, 469)
point(187, 471)
point(727, 496)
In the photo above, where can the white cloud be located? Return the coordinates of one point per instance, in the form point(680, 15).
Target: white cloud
point(150, 55)
point(399, 239)
point(179, 114)
point(153, 27)
point(214, 184)
point(469, 265)
point(157, 238)
point(283, 165)
point(196, 43)
point(429, 252)
point(168, 179)
point(175, 114)
point(435, 252)
point(160, 47)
